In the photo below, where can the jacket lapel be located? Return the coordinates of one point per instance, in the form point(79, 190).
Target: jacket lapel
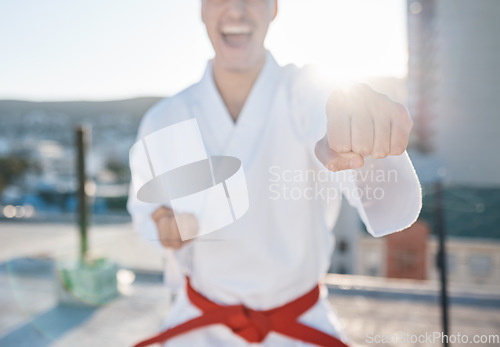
point(221, 135)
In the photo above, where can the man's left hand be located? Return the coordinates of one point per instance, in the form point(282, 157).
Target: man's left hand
point(362, 122)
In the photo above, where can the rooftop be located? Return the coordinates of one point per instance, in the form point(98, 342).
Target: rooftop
point(366, 306)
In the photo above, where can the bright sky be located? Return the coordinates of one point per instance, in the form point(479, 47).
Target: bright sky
point(94, 49)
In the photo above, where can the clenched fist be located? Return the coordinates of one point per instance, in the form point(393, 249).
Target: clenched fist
point(168, 230)
point(362, 122)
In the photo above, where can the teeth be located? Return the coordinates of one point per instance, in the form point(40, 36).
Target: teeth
point(235, 29)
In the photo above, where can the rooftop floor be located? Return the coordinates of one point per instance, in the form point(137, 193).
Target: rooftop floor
point(369, 308)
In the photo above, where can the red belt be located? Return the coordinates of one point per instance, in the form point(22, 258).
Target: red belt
point(250, 324)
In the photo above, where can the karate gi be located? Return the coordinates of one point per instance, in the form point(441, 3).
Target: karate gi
point(281, 247)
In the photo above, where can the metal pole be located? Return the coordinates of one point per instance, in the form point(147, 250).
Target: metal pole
point(81, 145)
point(440, 224)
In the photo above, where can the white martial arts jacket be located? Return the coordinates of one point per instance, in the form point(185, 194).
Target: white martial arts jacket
point(281, 247)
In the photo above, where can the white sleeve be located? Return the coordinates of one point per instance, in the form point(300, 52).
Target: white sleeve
point(386, 192)
point(141, 218)
point(175, 260)
point(140, 211)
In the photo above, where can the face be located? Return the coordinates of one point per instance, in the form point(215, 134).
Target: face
point(237, 29)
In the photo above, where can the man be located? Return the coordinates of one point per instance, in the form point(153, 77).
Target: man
point(255, 281)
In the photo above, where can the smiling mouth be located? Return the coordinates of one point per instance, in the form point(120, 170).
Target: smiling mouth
point(236, 36)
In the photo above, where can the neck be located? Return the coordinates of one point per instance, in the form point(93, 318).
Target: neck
point(234, 85)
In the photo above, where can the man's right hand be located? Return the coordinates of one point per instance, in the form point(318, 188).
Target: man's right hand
point(166, 225)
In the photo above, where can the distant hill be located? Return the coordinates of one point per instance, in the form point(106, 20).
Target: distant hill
point(133, 107)
point(114, 124)
point(136, 107)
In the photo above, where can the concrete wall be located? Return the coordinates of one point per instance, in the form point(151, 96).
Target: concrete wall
point(462, 60)
point(468, 105)
point(470, 261)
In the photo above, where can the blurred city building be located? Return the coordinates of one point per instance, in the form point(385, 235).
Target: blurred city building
point(451, 93)
point(453, 78)
point(469, 261)
point(454, 73)
point(38, 138)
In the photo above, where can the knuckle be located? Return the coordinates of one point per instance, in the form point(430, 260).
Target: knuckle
point(398, 149)
point(362, 87)
point(335, 100)
point(361, 149)
point(401, 132)
point(161, 212)
point(401, 109)
point(410, 122)
point(402, 116)
point(383, 99)
point(163, 223)
point(379, 154)
point(340, 147)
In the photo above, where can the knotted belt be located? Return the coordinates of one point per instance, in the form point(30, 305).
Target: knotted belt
point(252, 325)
